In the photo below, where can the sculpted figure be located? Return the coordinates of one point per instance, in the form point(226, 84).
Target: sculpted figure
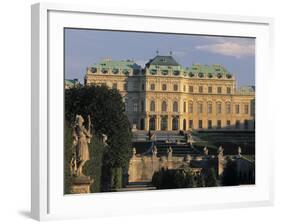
point(81, 139)
point(154, 151)
point(104, 139)
point(206, 151)
point(239, 151)
point(170, 151)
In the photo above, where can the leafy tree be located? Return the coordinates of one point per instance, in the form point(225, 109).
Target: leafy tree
point(107, 112)
point(67, 158)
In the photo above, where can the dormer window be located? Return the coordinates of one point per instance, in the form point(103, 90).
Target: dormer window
point(93, 69)
point(164, 72)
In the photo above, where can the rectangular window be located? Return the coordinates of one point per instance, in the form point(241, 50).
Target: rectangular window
point(200, 124)
point(237, 124)
point(190, 122)
point(190, 89)
point(152, 86)
point(210, 90)
point(219, 124)
point(228, 108)
point(209, 108)
point(190, 107)
point(135, 107)
point(184, 88)
point(246, 109)
point(237, 109)
point(200, 108)
point(200, 89)
point(176, 87)
point(218, 108)
point(114, 86)
point(209, 124)
point(219, 89)
point(246, 124)
point(228, 123)
point(142, 87)
point(228, 90)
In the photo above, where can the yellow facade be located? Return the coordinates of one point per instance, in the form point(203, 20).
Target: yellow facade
point(180, 102)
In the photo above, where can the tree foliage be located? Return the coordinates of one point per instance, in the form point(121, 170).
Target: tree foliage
point(170, 179)
point(107, 111)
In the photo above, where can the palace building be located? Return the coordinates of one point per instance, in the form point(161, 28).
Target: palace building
point(164, 95)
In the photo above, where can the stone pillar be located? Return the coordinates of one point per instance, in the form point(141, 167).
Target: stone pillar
point(80, 185)
point(169, 121)
point(146, 123)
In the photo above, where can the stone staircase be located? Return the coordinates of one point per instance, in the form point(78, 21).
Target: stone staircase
point(179, 149)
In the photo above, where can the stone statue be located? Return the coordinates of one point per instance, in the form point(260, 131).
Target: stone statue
point(81, 139)
point(220, 151)
point(154, 151)
point(239, 151)
point(206, 151)
point(104, 139)
point(170, 152)
point(134, 152)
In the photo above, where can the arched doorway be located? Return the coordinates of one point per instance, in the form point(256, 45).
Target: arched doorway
point(175, 124)
point(152, 123)
point(184, 124)
point(141, 124)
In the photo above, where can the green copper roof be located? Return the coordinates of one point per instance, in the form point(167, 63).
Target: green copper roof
point(117, 64)
point(163, 60)
point(71, 82)
point(206, 69)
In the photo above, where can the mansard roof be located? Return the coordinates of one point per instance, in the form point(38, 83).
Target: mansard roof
point(246, 89)
point(163, 60)
point(108, 64)
point(206, 69)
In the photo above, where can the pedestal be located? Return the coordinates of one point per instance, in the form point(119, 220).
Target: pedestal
point(80, 185)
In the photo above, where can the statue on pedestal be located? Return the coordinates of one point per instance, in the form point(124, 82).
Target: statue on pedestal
point(81, 139)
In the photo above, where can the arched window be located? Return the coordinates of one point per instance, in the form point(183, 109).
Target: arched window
point(164, 124)
point(190, 107)
point(218, 108)
point(200, 107)
point(210, 107)
point(175, 106)
point(152, 106)
point(164, 87)
point(164, 106)
point(175, 123)
point(152, 123)
point(228, 107)
point(184, 124)
point(184, 107)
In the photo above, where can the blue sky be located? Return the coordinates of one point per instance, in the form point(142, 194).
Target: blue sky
point(86, 47)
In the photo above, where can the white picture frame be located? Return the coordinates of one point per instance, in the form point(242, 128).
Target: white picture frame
point(48, 201)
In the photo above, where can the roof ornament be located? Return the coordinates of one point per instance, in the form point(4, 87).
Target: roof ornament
point(170, 52)
point(157, 52)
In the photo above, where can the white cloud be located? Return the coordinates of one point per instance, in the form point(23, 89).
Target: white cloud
point(230, 47)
